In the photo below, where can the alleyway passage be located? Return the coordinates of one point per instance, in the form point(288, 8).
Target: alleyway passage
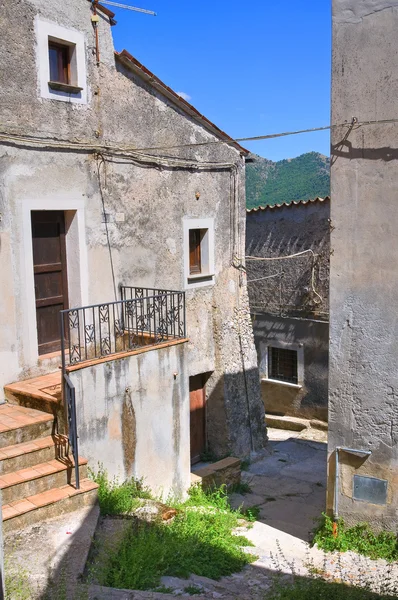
point(289, 485)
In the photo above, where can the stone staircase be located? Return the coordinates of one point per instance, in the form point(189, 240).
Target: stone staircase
point(36, 473)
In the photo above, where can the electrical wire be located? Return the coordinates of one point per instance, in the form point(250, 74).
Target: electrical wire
point(354, 124)
point(267, 277)
point(318, 299)
point(281, 257)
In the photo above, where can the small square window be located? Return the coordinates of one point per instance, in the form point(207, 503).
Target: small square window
point(61, 63)
point(60, 68)
point(282, 365)
point(198, 252)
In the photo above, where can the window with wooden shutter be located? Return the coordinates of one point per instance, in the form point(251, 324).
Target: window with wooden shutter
point(195, 265)
point(59, 57)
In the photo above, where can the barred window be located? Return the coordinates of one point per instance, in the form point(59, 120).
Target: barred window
point(282, 364)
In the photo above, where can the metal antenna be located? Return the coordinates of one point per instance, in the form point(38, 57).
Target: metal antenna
point(141, 10)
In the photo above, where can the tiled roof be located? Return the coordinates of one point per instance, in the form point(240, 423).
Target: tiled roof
point(283, 204)
point(132, 63)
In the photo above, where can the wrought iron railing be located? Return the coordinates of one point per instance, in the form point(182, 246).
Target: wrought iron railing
point(143, 317)
point(139, 319)
point(70, 401)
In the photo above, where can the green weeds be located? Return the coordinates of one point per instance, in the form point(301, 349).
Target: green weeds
point(319, 589)
point(240, 488)
point(360, 539)
point(118, 498)
point(199, 540)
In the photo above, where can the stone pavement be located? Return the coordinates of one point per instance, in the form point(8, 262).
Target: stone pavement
point(288, 486)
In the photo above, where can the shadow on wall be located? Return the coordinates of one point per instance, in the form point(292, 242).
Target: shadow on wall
point(345, 149)
point(235, 419)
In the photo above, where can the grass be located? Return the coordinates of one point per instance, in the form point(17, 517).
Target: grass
point(199, 540)
point(360, 539)
point(319, 589)
point(118, 498)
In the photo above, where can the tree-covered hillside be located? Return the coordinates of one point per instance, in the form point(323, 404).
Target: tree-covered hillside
point(267, 182)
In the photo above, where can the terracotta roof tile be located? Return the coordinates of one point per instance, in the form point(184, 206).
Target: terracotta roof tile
point(285, 204)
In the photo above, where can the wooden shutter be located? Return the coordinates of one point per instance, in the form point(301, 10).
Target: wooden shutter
point(195, 266)
point(59, 63)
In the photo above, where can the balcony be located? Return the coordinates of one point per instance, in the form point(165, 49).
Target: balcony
point(143, 317)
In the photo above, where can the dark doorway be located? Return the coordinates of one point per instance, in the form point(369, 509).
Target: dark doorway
point(197, 400)
point(49, 263)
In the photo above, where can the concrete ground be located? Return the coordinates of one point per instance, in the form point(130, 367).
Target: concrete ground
point(45, 561)
point(289, 485)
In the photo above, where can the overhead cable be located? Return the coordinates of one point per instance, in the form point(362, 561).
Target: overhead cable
point(98, 146)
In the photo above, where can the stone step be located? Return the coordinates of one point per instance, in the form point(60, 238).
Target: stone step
point(35, 452)
point(39, 478)
point(50, 503)
point(43, 393)
point(19, 424)
point(294, 423)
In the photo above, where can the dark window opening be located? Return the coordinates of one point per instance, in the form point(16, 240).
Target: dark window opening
point(195, 260)
point(59, 57)
point(282, 365)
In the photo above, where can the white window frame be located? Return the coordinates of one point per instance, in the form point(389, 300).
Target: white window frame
point(264, 365)
point(51, 32)
point(206, 276)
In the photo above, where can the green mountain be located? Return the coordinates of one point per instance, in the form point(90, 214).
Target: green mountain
point(268, 182)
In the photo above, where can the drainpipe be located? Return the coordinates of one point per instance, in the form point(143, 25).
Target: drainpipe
point(337, 479)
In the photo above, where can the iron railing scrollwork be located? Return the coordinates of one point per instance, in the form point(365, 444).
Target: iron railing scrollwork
point(143, 317)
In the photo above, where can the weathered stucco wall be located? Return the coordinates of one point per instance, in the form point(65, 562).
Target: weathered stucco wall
point(285, 308)
point(363, 408)
point(146, 200)
point(138, 425)
point(311, 401)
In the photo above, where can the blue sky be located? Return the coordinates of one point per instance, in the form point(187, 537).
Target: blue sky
point(252, 67)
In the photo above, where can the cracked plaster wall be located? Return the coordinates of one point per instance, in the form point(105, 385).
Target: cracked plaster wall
point(363, 376)
point(147, 247)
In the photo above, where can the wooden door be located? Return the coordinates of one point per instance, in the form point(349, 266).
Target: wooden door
point(197, 399)
point(49, 263)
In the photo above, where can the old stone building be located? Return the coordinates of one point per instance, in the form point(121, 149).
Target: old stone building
point(109, 214)
point(287, 248)
point(363, 408)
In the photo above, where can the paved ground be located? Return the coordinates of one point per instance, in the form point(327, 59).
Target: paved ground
point(46, 560)
point(289, 486)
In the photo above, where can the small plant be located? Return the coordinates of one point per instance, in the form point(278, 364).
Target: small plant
point(244, 465)
point(192, 590)
point(323, 584)
point(118, 498)
point(359, 538)
point(243, 487)
point(208, 456)
point(251, 513)
point(17, 584)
